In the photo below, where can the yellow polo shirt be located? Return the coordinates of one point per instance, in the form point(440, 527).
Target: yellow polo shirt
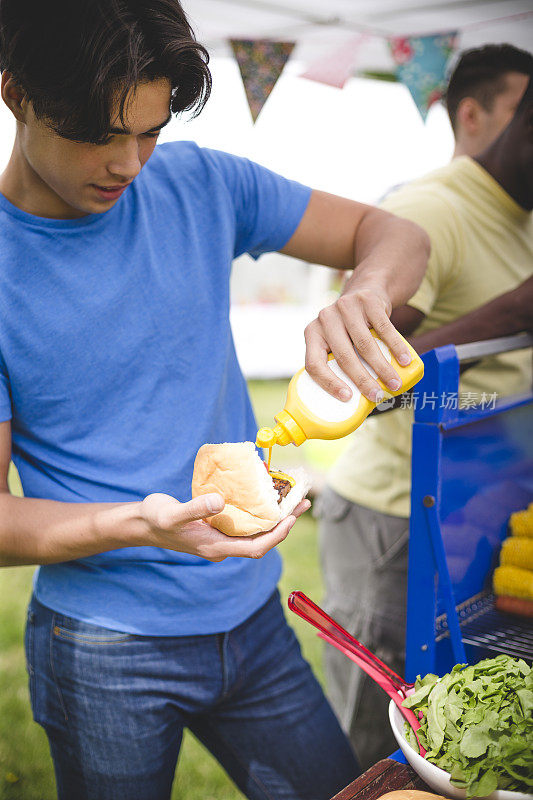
point(481, 247)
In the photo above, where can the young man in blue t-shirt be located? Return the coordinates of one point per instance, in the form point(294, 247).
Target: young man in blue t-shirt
point(116, 365)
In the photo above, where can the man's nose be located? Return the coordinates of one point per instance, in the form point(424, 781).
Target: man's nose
point(125, 162)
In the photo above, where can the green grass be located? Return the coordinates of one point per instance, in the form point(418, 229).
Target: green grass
point(26, 771)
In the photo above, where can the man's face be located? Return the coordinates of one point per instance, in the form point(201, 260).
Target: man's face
point(89, 178)
point(495, 121)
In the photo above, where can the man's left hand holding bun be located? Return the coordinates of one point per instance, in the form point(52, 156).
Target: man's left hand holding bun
point(180, 526)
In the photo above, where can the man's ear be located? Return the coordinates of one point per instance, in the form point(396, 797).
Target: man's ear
point(14, 97)
point(469, 115)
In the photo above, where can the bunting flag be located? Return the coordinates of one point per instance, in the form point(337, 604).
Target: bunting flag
point(261, 62)
point(336, 67)
point(421, 65)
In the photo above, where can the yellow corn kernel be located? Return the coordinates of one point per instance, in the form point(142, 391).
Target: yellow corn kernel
point(513, 581)
point(521, 523)
point(517, 551)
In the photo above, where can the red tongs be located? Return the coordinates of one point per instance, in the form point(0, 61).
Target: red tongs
point(329, 630)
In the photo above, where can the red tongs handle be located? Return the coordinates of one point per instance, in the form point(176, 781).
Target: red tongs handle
point(336, 635)
point(305, 608)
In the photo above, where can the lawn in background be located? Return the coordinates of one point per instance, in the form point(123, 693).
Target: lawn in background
point(26, 771)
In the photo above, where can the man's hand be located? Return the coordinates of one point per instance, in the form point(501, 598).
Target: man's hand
point(179, 526)
point(343, 326)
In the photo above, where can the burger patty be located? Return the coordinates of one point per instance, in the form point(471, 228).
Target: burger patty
point(282, 487)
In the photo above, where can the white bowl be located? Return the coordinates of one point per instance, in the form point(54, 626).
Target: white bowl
point(437, 778)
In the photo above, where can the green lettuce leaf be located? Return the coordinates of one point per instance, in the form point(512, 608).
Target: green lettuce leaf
point(477, 724)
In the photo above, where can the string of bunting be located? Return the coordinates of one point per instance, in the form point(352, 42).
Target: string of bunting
point(420, 62)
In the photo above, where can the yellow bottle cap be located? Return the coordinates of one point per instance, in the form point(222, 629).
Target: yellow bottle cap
point(265, 437)
point(288, 430)
point(285, 432)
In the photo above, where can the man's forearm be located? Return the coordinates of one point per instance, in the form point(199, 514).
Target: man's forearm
point(392, 253)
point(506, 315)
point(34, 531)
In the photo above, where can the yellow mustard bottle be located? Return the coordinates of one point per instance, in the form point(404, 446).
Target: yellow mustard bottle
point(311, 413)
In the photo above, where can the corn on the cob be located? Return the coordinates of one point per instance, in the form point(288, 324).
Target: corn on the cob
point(521, 522)
point(514, 581)
point(517, 551)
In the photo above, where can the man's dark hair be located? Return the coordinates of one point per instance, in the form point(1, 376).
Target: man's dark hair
point(480, 73)
point(75, 58)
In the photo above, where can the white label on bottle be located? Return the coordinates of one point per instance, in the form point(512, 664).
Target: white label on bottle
point(322, 404)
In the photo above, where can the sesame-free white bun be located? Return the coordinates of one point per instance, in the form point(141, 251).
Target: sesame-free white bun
point(236, 471)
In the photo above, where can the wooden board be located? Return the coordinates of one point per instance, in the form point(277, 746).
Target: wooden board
point(385, 776)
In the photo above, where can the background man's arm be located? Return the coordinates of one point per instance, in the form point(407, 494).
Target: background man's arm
point(506, 315)
point(389, 257)
point(35, 531)
point(407, 319)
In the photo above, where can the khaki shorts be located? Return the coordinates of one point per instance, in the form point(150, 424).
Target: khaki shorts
point(364, 560)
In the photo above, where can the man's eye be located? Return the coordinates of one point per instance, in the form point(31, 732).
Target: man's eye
point(152, 135)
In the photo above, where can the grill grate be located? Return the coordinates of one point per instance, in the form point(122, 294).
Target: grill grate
point(484, 627)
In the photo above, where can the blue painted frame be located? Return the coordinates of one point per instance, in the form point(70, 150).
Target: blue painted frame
point(470, 469)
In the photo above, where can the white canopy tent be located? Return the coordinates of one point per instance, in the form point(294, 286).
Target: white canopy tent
point(318, 26)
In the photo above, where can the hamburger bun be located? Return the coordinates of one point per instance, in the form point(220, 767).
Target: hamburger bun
point(236, 471)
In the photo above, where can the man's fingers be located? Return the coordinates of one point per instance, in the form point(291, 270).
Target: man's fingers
point(272, 538)
point(166, 512)
point(259, 545)
point(388, 334)
point(342, 348)
point(316, 364)
point(369, 350)
point(358, 316)
point(200, 507)
point(301, 508)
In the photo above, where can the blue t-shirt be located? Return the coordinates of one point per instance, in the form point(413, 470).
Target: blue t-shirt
point(117, 363)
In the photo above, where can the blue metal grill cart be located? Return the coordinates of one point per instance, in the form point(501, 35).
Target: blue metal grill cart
point(471, 468)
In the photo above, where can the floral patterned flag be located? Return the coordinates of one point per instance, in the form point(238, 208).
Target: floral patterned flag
point(336, 67)
point(421, 65)
point(261, 62)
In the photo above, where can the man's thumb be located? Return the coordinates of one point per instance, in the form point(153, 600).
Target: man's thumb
point(202, 506)
point(165, 511)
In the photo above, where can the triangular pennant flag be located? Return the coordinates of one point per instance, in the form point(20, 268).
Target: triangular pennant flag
point(337, 66)
point(421, 65)
point(261, 62)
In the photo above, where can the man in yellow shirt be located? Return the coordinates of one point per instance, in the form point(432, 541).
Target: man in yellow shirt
point(477, 213)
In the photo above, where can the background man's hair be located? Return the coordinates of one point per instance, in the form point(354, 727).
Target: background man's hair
point(75, 58)
point(480, 73)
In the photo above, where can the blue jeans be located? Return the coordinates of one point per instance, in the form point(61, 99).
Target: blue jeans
point(114, 706)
